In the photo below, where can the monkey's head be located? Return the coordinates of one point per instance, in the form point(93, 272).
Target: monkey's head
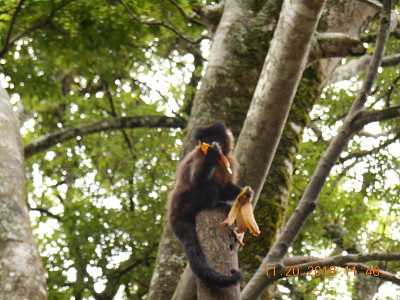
point(216, 132)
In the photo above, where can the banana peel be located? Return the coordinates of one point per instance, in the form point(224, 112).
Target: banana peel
point(204, 148)
point(242, 213)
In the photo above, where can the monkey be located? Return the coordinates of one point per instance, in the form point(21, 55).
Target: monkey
point(202, 182)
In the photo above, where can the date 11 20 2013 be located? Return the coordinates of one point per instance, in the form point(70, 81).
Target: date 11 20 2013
point(317, 271)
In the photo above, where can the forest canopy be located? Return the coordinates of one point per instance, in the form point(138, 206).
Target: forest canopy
point(106, 93)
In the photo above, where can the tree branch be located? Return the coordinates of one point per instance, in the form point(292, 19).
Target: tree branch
point(211, 15)
point(11, 27)
point(184, 14)
point(48, 141)
point(366, 117)
point(372, 151)
point(162, 24)
point(373, 3)
point(333, 44)
point(356, 66)
point(115, 276)
point(46, 212)
point(377, 135)
point(371, 37)
point(311, 194)
point(38, 24)
point(114, 114)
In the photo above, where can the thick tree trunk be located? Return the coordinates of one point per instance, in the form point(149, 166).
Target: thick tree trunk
point(239, 49)
point(21, 271)
point(308, 200)
point(274, 197)
point(169, 265)
point(225, 94)
point(219, 246)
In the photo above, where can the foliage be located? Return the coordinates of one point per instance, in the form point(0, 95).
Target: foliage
point(98, 202)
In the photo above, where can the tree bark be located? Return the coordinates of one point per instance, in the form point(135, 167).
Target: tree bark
point(275, 90)
point(357, 66)
point(169, 265)
point(21, 271)
point(224, 94)
point(272, 203)
point(219, 246)
point(239, 49)
point(308, 200)
point(45, 142)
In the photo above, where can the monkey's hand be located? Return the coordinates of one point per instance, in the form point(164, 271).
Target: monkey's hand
point(242, 212)
point(215, 149)
point(213, 152)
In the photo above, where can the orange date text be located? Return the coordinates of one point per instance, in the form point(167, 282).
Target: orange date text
point(317, 271)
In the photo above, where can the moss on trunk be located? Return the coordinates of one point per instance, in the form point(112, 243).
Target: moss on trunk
point(272, 203)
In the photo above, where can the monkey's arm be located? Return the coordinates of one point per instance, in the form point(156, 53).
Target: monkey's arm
point(230, 192)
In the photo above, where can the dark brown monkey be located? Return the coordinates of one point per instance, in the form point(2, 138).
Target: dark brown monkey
point(202, 183)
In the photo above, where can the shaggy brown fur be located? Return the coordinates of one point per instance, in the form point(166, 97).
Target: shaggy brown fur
point(202, 183)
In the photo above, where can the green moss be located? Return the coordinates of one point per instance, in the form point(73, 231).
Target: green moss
point(272, 204)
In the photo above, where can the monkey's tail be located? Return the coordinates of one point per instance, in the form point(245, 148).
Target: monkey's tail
point(186, 232)
point(198, 263)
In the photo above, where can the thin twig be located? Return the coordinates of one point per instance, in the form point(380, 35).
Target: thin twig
point(11, 27)
point(46, 212)
point(115, 115)
point(372, 151)
point(153, 23)
point(183, 13)
point(38, 24)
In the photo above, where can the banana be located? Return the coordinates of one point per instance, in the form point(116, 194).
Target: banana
point(248, 218)
point(242, 212)
point(235, 209)
point(240, 225)
point(238, 236)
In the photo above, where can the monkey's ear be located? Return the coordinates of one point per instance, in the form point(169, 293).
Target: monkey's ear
point(199, 133)
point(217, 129)
point(218, 125)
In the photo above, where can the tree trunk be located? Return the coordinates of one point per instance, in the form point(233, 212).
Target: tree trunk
point(225, 93)
point(271, 206)
point(21, 271)
point(219, 249)
point(308, 200)
point(240, 45)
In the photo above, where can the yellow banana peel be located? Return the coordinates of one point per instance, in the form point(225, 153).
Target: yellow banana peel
point(233, 213)
point(242, 213)
point(248, 218)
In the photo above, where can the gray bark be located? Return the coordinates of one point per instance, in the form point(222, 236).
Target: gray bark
point(308, 200)
point(204, 111)
point(357, 66)
point(275, 90)
point(53, 139)
point(169, 258)
point(225, 92)
point(186, 287)
point(220, 253)
point(21, 271)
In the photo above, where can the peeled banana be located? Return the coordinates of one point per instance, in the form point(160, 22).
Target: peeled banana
point(242, 213)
